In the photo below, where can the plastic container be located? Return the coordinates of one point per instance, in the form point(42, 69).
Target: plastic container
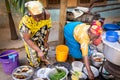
point(77, 66)
point(111, 27)
point(94, 70)
point(42, 72)
point(62, 53)
point(112, 36)
point(10, 61)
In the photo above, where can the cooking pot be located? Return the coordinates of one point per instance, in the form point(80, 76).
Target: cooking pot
point(112, 53)
point(97, 59)
point(111, 50)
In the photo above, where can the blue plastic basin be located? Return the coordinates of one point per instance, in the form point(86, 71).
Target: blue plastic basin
point(111, 27)
point(112, 36)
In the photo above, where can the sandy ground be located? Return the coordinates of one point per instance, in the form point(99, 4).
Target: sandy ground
point(7, 44)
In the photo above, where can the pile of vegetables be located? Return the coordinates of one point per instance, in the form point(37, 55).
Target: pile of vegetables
point(58, 75)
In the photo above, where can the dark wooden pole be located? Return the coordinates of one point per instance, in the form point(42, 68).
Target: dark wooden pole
point(11, 22)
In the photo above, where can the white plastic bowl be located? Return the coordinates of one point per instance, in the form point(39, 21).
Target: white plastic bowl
point(42, 73)
point(77, 66)
point(38, 79)
point(84, 76)
point(94, 70)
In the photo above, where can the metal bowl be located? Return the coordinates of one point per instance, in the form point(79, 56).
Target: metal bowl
point(111, 50)
point(54, 71)
point(23, 73)
point(62, 64)
point(97, 59)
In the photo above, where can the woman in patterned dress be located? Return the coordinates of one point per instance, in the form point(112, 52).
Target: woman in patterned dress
point(34, 29)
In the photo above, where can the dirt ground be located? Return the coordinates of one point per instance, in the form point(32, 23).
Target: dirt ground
point(6, 44)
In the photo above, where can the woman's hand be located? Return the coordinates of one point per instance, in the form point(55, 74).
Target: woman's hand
point(87, 64)
point(46, 45)
point(41, 55)
point(90, 75)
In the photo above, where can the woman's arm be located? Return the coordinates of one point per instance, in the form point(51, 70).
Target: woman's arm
point(84, 50)
point(87, 65)
point(46, 39)
point(27, 39)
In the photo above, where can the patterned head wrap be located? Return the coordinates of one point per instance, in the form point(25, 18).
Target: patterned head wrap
point(35, 7)
point(96, 28)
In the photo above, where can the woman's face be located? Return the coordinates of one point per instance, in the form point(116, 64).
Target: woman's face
point(93, 37)
point(38, 17)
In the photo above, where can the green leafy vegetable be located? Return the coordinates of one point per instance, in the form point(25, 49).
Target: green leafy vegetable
point(58, 75)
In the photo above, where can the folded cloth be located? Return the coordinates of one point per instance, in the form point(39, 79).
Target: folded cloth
point(77, 13)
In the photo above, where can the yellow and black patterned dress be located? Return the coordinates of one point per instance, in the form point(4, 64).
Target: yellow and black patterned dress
point(38, 31)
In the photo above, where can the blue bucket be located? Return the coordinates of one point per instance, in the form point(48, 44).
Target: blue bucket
point(112, 36)
point(10, 61)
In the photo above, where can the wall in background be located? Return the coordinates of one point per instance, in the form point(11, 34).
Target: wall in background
point(55, 13)
point(113, 13)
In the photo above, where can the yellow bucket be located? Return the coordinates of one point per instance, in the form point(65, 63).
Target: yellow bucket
point(62, 53)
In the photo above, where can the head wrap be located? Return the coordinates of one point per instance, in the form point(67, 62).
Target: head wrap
point(96, 28)
point(35, 7)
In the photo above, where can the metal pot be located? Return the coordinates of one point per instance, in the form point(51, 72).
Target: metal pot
point(112, 52)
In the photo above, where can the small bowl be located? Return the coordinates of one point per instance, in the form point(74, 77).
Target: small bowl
point(97, 59)
point(94, 70)
point(42, 73)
